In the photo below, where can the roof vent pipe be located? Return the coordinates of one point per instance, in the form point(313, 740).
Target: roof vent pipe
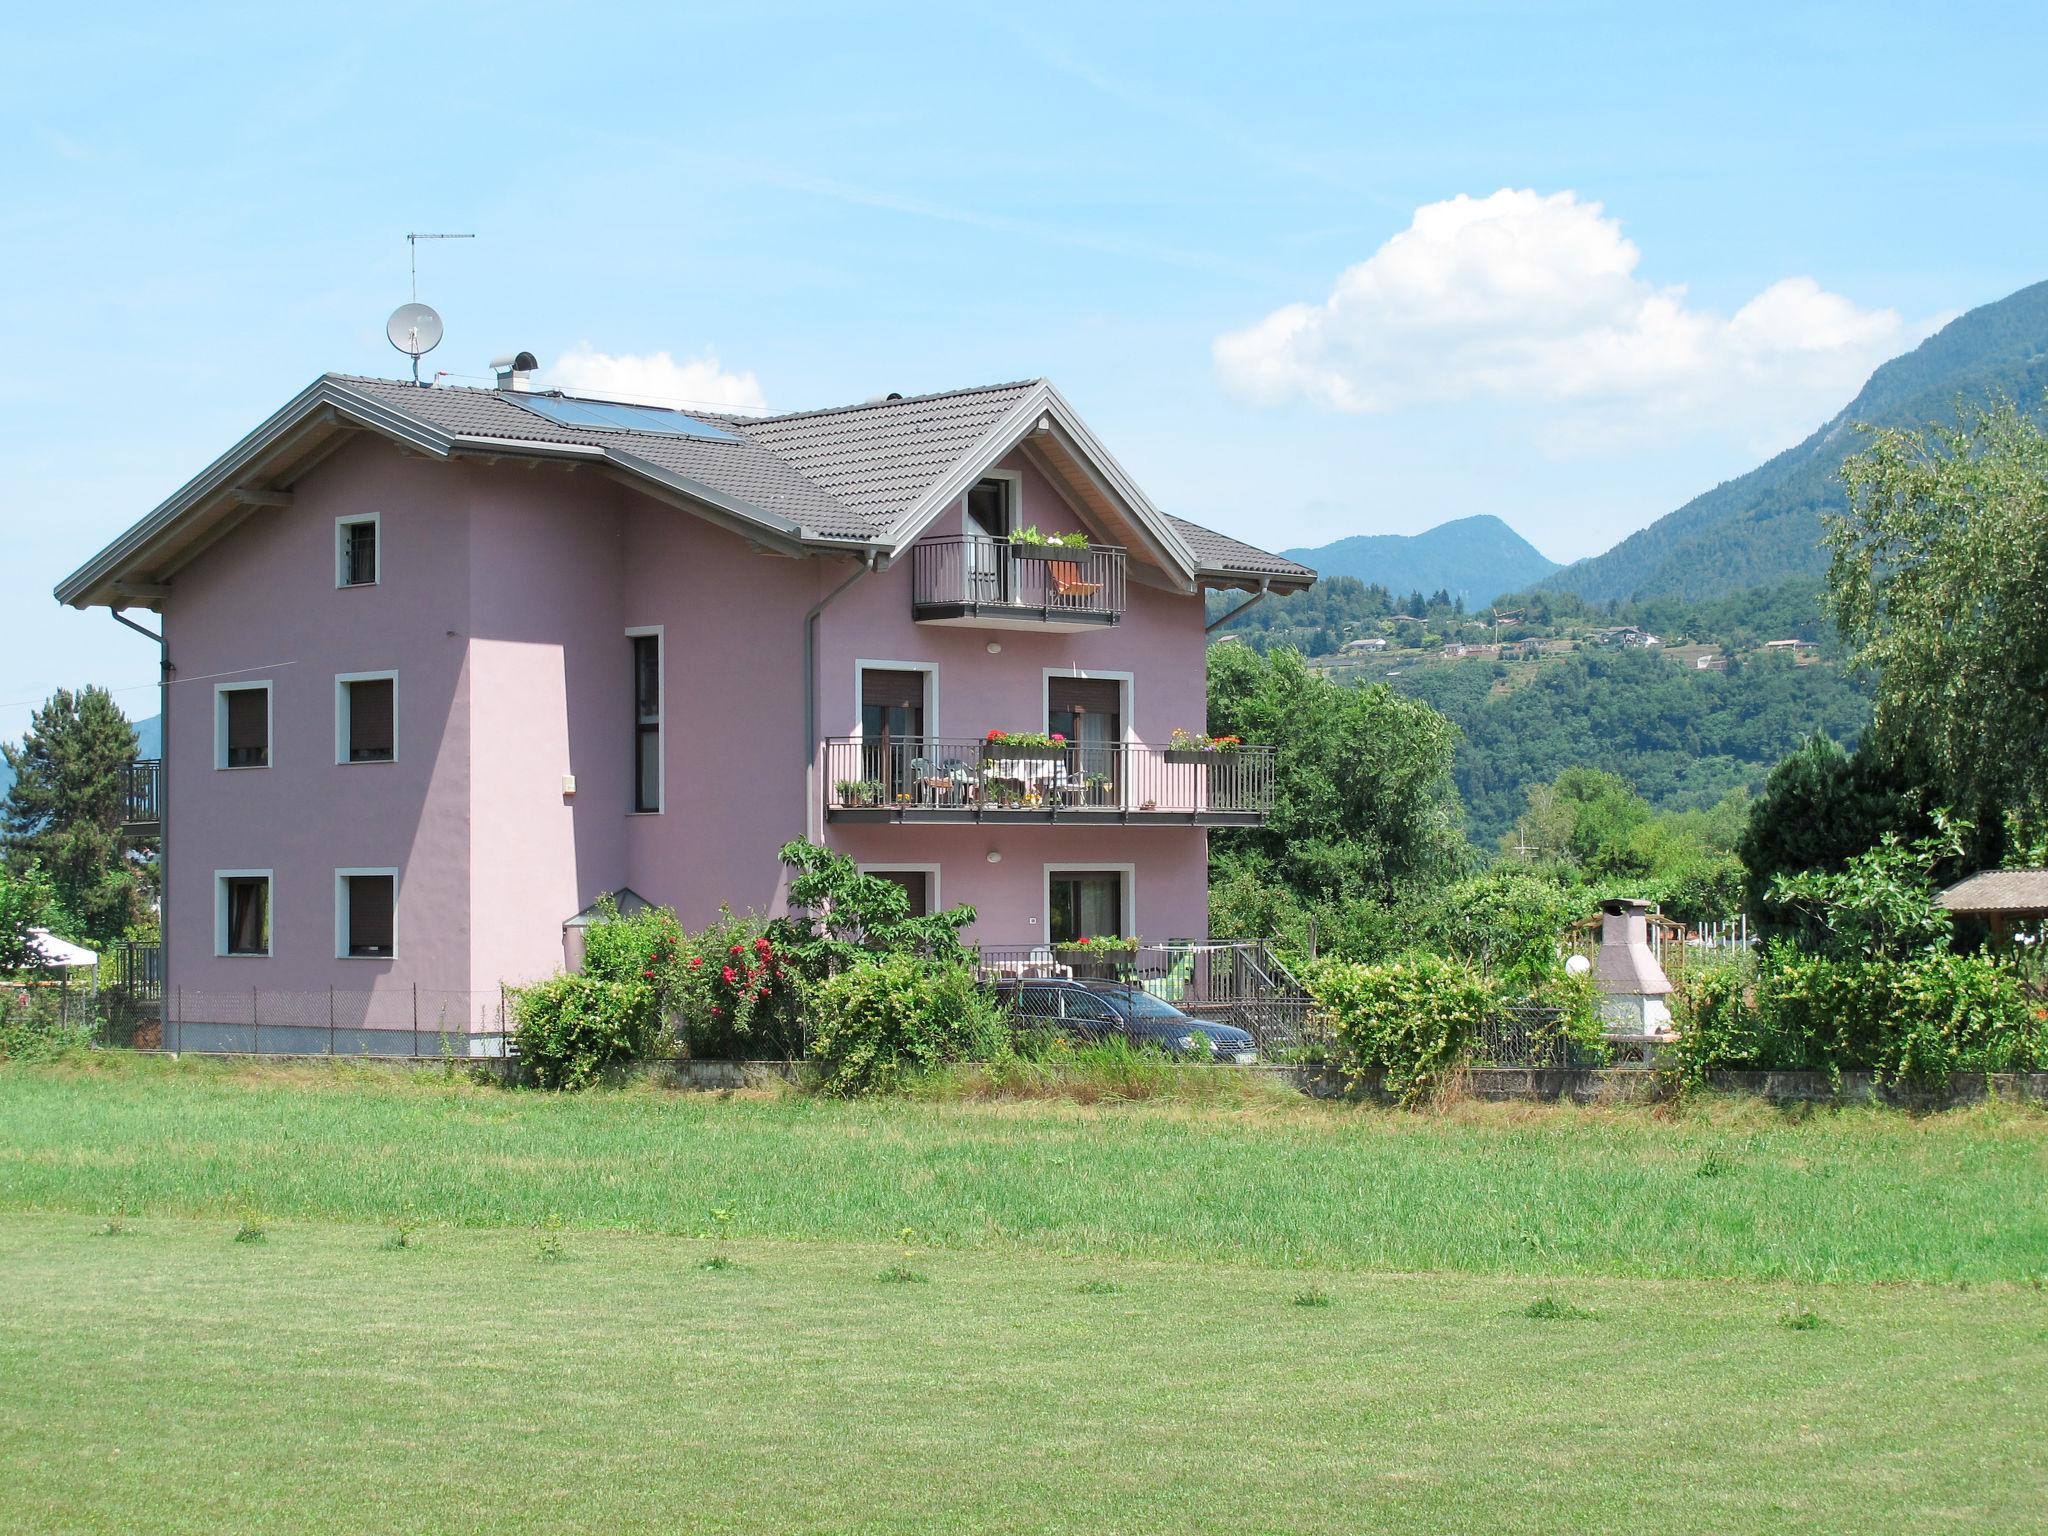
point(515, 370)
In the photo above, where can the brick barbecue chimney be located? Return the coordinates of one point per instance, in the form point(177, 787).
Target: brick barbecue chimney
point(1631, 983)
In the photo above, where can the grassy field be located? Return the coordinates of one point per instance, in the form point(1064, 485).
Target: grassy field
point(1263, 1315)
point(1272, 1179)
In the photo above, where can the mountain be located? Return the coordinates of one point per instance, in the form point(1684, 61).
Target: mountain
point(1764, 528)
point(149, 735)
point(1476, 558)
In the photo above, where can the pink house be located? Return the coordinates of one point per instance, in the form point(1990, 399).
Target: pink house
point(443, 666)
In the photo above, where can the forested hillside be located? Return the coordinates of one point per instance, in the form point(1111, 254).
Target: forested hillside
point(1683, 738)
point(1763, 529)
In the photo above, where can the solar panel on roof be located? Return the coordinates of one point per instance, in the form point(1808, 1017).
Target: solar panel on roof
point(617, 416)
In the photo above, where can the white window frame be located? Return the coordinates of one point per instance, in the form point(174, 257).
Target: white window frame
point(1127, 698)
point(1129, 894)
point(221, 877)
point(341, 880)
point(220, 724)
point(930, 669)
point(341, 526)
point(341, 706)
point(929, 871)
point(1015, 477)
point(660, 634)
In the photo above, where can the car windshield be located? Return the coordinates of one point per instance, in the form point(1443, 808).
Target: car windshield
point(1143, 1005)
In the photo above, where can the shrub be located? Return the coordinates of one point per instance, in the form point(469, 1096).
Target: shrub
point(1412, 1019)
point(573, 1027)
point(889, 1017)
point(33, 1026)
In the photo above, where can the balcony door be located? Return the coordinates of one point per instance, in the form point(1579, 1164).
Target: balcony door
point(892, 727)
point(1088, 711)
point(1084, 903)
point(991, 515)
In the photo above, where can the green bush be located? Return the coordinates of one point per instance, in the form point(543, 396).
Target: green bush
point(32, 1026)
point(572, 1028)
point(1922, 1017)
point(887, 1018)
point(1413, 1019)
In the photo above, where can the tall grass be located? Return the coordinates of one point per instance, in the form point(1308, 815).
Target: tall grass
point(1273, 1180)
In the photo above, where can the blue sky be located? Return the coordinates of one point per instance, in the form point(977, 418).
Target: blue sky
point(1598, 257)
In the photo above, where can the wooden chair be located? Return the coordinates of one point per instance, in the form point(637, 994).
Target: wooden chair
point(1067, 582)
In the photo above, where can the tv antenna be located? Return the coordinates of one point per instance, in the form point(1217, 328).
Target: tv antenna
point(414, 328)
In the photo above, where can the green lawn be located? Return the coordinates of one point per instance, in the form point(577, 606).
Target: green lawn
point(1107, 1337)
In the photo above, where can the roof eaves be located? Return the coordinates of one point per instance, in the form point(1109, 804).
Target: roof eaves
point(1156, 521)
point(743, 516)
point(325, 393)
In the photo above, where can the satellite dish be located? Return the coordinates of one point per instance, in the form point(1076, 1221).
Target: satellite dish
point(414, 329)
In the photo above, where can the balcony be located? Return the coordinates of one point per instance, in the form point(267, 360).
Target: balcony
point(142, 813)
point(933, 780)
point(977, 582)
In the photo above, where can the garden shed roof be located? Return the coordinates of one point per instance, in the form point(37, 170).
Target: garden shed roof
point(1999, 890)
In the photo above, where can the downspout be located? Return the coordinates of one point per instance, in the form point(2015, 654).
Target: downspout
point(163, 833)
point(1265, 587)
point(814, 828)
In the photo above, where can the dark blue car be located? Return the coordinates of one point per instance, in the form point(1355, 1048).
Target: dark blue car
point(1095, 1010)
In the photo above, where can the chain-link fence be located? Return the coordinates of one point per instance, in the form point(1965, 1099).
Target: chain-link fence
point(398, 1021)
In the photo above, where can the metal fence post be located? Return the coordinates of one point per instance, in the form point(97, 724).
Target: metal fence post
point(330, 1021)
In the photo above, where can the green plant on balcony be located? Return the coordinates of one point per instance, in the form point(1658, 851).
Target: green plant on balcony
point(1184, 747)
point(1023, 744)
point(855, 794)
point(1025, 540)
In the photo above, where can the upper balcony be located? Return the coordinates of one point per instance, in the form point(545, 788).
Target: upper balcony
point(142, 806)
point(979, 582)
point(930, 779)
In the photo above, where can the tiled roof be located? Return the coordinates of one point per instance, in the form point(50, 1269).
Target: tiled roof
point(1215, 551)
point(850, 472)
point(2000, 890)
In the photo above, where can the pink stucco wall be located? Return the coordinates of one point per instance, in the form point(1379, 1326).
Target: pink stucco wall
point(503, 603)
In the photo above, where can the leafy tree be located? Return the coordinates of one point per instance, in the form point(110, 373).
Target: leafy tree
point(1364, 810)
point(24, 906)
point(1936, 579)
point(64, 810)
point(838, 915)
point(1821, 806)
point(1881, 904)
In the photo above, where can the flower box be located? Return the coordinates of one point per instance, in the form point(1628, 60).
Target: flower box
point(996, 753)
point(1190, 755)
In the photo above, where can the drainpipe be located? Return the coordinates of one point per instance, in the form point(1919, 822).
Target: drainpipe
point(1257, 597)
point(163, 834)
point(814, 820)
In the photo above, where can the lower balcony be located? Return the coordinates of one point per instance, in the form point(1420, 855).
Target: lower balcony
point(937, 780)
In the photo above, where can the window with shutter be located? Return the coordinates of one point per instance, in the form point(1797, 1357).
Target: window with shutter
point(244, 726)
point(370, 719)
point(367, 925)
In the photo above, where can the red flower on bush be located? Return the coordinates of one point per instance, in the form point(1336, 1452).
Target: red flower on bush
point(648, 974)
point(727, 973)
point(739, 949)
point(696, 962)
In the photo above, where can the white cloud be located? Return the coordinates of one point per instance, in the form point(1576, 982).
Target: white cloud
point(1533, 300)
point(655, 378)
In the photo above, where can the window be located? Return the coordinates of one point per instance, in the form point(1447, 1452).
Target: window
point(241, 725)
point(1084, 903)
point(241, 912)
point(355, 551)
point(365, 904)
point(366, 717)
point(647, 699)
point(920, 884)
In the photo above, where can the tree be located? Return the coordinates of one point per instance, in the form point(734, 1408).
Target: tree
point(1364, 810)
point(24, 907)
point(1935, 582)
point(1819, 807)
point(64, 811)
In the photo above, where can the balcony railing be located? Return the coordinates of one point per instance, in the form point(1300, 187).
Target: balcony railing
point(142, 810)
point(978, 580)
point(934, 779)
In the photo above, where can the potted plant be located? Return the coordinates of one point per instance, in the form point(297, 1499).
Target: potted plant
point(1030, 544)
point(858, 794)
point(1184, 748)
point(1024, 746)
point(1099, 955)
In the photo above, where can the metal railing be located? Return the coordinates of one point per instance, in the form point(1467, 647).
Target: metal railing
point(973, 575)
point(928, 778)
point(142, 797)
point(1237, 982)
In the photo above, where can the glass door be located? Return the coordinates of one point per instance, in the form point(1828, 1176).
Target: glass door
point(988, 542)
